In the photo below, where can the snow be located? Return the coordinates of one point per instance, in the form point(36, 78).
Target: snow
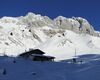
point(21, 69)
point(40, 32)
point(63, 47)
point(62, 38)
point(17, 41)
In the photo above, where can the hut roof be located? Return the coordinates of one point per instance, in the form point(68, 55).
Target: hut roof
point(35, 51)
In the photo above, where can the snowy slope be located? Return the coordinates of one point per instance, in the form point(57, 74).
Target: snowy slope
point(64, 47)
point(60, 37)
point(31, 70)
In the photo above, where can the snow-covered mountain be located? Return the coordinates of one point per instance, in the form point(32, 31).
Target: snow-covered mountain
point(61, 37)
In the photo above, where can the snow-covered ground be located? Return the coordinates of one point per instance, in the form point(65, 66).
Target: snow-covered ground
point(61, 37)
point(21, 69)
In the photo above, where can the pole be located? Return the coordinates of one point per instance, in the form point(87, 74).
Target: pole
point(75, 52)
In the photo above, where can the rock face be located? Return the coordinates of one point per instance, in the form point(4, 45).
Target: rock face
point(19, 34)
point(76, 24)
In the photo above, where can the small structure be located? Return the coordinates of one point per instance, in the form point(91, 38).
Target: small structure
point(74, 60)
point(27, 54)
point(36, 55)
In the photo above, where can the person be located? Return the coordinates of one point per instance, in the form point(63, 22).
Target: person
point(74, 60)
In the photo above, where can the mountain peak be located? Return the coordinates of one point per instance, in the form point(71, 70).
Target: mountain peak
point(19, 34)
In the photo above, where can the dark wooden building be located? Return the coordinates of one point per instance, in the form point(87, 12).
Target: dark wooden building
point(35, 51)
point(36, 55)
